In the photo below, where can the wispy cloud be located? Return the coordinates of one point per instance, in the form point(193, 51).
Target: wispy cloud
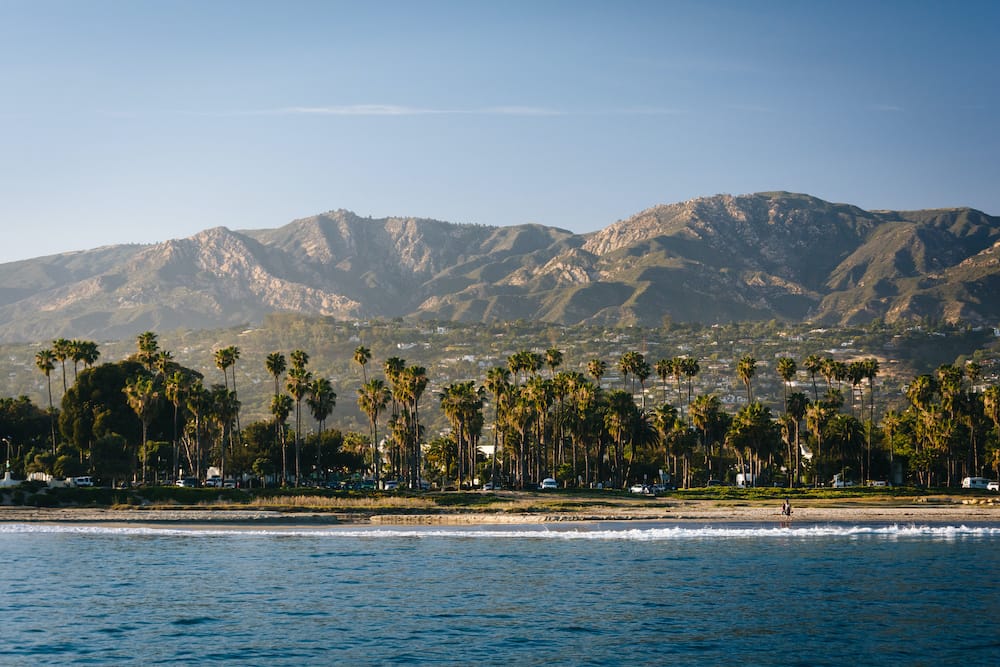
point(401, 110)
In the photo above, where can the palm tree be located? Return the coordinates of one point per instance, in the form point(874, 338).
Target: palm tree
point(746, 368)
point(87, 352)
point(164, 363)
point(619, 421)
point(225, 359)
point(299, 358)
point(664, 368)
point(362, 355)
point(142, 395)
point(297, 385)
point(690, 367)
point(461, 402)
point(642, 372)
point(281, 407)
point(813, 365)
point(705, 412)
point(817, 415)
point(199, 403)
point(225, 406)
point(870, 366)
point(174, 389)
point(276, 365)
point(553, 359)
point(414, 380)
point(62, 349)
point(795, 408)
point(786, 371)
point(45, 360)
point(373, 396)
point(148, 346)
point(597, 369)
point(498, 384)
point(321, 401)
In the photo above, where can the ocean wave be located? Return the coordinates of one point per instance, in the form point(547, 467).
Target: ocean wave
point(658, 533)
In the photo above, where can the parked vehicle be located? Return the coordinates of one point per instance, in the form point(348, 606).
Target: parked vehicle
point(975, 483)
point(187, 482)
point(213, 482)
point(548, 484)
point(83, 481)
point(639, 488)
point(993, 486)
point(840, 483)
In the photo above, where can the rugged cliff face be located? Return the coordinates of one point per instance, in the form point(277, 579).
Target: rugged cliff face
point(722, 258)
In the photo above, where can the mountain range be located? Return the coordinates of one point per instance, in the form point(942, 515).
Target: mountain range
point(724, 258)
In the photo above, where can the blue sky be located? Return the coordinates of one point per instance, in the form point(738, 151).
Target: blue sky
point(143, 121)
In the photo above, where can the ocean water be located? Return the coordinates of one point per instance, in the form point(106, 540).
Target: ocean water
point(599, 594)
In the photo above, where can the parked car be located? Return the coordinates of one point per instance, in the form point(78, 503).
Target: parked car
point(993, 486)
point(975, 483)
point(639, 488)
point(83, 481)
point(548, 484)
point(214, 481)
point(187, 482)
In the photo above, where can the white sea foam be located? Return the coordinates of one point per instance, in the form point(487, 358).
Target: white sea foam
point(659, 533)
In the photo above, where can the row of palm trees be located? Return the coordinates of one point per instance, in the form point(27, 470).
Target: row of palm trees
point(552, 422)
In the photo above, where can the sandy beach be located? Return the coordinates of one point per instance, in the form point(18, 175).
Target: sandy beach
point(928, 511)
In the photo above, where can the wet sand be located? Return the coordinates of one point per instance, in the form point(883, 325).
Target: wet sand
point(939, 511)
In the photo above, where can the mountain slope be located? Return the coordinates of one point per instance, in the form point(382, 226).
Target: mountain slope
point(713, 259)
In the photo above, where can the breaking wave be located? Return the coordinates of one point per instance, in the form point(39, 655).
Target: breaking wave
point(657, 533)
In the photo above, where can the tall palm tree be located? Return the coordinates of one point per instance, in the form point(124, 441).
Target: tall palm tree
point(297, 384)
point(664, 368)
point(142, 395)
point(553, 359)
point(871, 369)
point(174, 389)
point(62, 349)
point(817, 416)
point(225, 359)
point(321, 401)
point(597, 369)
point(199, 403)
point(164, 363)
point(619, 420)
point(705, 412)
point(299, 358)
point(224, 408)
point(813, 365)
point(746, 368)
point(642, 373)
point(281, 408)
point(795, 408)
point(414, 380)
point(147, 345)
point(690, 367)
point(45, 360)
point(786, 371)
point(276, 365)
point(373, 397)
point(89, 352)
point(498, 384)
point(362, 355)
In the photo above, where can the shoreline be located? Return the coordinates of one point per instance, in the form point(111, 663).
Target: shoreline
point(683, 512)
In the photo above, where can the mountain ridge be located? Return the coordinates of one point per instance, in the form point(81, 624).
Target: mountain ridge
point(772, 255)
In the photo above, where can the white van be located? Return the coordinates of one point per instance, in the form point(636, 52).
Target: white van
point(975, 483)
point(83, 481)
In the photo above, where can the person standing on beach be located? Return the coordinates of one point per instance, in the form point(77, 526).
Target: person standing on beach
point(786, 508)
